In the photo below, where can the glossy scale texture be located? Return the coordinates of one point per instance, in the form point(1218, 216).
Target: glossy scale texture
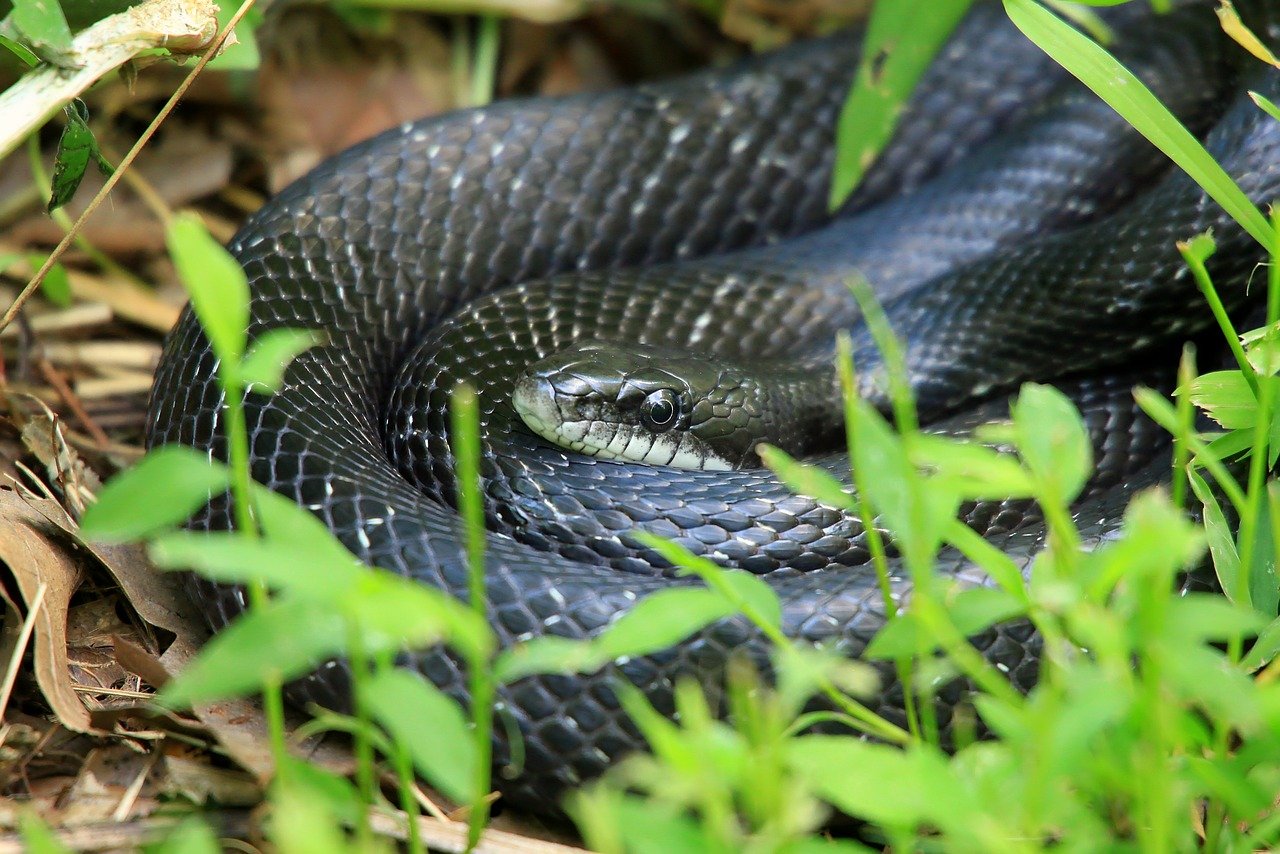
point(693, 212)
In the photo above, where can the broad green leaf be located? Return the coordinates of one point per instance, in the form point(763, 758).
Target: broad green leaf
point(282, 640)
point(901, 788)
point(976, 471)
point(233, 558)
point(41, 23)
point(193, 836)
point(217, 285)
point(1127, 95)
point(970, 610)
point(801, 671)
point(287, 523)
point(804, 479)
point(900, 41)
point(1052, 440)
point(429, 725)
point(393, 611)
point(263, 367)
point(661, 620)
point(759, 601)
point(300, 823)
point(335, 792)
point(548, 654)
point(1205, 677)
point(1201, 617)
point(161, 491)
point(1227, 398)
point(77, 146)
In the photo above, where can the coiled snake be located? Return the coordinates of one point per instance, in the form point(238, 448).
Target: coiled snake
point(1015, 228)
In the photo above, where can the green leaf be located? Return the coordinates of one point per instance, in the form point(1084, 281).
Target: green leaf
point(77, 146)
point(898, 788)
point(243, 55)
point(1265, 105)
point(301, 822)
point(41, 23)
point(217, 285)
point(193, 836)
point(1052, 440)
point(547, 654)
point(1225, 397)
point(393, 611)
point(291, 635)
point(232, 558)
point(36, 836)
point(161, 491)
point(1203, 617)
point(971, 611)
point(901, 39)
point(1264, 649)
point(56, 284)
point(427, 724)
point(804, 479)
point(284, 639)
point(24, 53)
point(976, 471)
point(916, 512)
point(1222, 541)
point(661, 620)
point(606, 817)
point(1127, 95)
point(334, 792)
point(745, 591)
point(263, 367)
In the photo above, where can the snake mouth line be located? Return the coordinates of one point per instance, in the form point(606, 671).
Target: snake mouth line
point(534, 399)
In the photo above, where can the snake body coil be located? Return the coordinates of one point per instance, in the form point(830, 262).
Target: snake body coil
point(1015, 229)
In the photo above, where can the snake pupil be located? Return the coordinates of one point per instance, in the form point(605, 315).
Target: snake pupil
point(659, 410)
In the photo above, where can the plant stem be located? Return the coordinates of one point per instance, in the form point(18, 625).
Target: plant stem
point(465, 434)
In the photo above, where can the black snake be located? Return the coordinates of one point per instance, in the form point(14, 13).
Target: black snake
point(1015, 228)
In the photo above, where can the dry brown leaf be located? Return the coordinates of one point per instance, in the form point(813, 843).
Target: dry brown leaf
point(35, 559)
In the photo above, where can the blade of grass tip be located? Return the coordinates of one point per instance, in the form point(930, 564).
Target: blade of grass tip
point(465, 439)
point(1127, 95)
point(1195, 252)
point(875, 540)
point(1186, 424)
point(486, 64)
point(1266, 105)
point(904, 404)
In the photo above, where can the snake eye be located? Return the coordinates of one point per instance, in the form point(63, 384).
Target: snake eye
point(659, 410)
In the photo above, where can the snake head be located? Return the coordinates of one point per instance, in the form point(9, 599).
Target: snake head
point(642, 404)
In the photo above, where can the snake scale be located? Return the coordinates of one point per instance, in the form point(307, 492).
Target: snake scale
point(1014, 228)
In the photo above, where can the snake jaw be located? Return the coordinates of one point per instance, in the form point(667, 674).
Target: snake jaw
point(537, 401)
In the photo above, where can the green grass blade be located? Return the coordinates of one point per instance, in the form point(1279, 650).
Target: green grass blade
point(1116, 85)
